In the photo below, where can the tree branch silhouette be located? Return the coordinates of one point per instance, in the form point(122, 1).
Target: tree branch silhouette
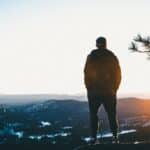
point(141, 45)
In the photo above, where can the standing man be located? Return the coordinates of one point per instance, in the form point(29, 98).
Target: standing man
point(102, 76)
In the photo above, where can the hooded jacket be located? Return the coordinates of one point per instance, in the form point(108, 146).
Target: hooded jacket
point(102, 73)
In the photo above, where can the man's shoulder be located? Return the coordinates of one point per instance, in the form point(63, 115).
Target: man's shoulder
point(104, 54)
point(101, 52)
point(109, 52)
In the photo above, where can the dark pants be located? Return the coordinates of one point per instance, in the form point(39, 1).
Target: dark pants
point(109, 103)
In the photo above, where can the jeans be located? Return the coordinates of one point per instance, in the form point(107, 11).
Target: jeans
point(109, 102)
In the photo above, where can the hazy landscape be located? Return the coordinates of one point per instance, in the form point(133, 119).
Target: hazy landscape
point(65, 122)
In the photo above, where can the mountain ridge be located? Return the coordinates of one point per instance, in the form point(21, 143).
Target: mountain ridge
point(29, 98)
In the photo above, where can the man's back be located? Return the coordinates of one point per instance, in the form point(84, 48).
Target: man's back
point(102, 72)
point(102, 76)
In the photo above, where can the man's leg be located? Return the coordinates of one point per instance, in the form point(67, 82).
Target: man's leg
point(110, 108)
point(94, 104)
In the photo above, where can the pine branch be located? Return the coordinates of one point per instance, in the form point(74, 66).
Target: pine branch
point(135, 47)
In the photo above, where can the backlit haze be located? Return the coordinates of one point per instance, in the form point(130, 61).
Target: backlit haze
point(44, 44)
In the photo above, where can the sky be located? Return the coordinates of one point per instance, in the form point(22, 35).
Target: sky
point(44, 44)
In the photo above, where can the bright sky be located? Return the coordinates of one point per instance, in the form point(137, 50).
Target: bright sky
point(44, 43)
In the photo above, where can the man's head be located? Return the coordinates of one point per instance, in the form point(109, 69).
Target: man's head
point(101, 43)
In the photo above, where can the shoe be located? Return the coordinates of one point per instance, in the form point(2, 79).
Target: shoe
point(92, 141)
point(97, 142)
point(115, 140)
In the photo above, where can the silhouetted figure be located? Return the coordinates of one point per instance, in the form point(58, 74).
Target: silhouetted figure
point(102, 76)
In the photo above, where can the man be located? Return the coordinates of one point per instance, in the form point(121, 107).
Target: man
point(102, 76)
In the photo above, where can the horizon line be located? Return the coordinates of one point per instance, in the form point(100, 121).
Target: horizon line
point(120, 95)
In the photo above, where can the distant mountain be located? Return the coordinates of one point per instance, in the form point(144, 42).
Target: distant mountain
point(134, 106)
point(67, 120)
point(71, 109)
point(29, 98)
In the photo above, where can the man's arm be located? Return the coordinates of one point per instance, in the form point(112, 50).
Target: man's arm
point(118, 73)
point(87, 60)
